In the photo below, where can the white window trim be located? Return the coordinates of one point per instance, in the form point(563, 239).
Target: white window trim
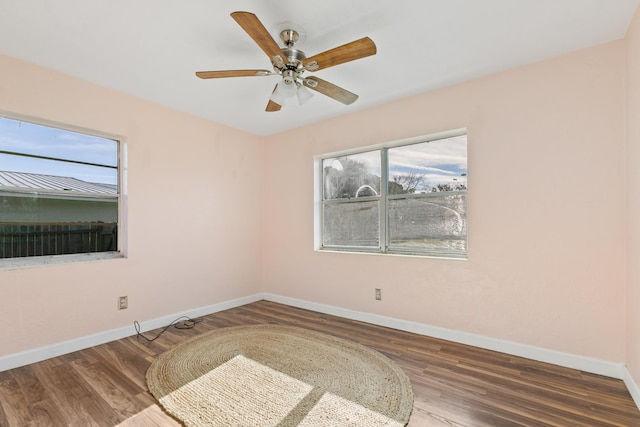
point(38, 261)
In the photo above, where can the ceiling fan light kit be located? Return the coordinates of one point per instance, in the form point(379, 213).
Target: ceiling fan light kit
point(291, 63)
point(290, 89)
point(303, 94)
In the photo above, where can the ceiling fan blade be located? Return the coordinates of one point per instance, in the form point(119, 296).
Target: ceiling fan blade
point(341, 54)
point(232, 73)
point(331, 90)
point(252, 26)
point(273, 106)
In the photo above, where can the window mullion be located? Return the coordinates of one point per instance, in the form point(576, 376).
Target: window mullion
point(384, 184)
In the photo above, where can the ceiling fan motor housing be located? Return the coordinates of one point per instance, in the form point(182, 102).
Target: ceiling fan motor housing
point(293, 68)
point(294, 57)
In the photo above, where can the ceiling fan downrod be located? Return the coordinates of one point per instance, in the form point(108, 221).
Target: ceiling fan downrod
point(289, 37)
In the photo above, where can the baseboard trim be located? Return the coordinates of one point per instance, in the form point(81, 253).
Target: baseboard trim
point(16, 360)
point(632, 386)
point(198, 312)
point(610, 369)
point(582, 363)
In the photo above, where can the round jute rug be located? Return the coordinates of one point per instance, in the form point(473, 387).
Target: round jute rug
point(272, 375)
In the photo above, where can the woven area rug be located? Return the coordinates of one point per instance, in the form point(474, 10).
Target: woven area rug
point(271, 375)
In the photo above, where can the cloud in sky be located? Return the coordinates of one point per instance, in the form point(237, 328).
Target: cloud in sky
point(448, 154)
point(442, 161)
point(31, 138)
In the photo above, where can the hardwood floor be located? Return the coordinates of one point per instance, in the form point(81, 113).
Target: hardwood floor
point(454, 385)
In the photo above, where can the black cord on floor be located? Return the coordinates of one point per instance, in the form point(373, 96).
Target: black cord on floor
point(178, 324)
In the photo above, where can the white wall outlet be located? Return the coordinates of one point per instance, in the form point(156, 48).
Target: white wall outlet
point(378, 294)
point(123, 303)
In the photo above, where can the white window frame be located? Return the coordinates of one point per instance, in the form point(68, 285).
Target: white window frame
point(383, 248)
point(121, 251)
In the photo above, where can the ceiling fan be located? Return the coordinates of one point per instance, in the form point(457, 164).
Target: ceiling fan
point(290, 63)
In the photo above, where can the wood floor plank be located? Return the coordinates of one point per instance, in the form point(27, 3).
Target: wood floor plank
point(14, 404)
point(74, 397)
point(112, 388)
point(454, 385)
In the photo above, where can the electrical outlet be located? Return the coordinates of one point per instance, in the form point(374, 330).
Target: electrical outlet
point(378, 294)
point(123, 303)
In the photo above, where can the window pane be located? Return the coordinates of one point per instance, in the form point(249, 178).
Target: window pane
point(432, 223)
point(29, 138)
point(439, 165)
point(432, 216)
point(348, 177)
point(352, 224)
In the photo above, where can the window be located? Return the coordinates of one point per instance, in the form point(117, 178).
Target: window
point(409, 198)
point(59, 191)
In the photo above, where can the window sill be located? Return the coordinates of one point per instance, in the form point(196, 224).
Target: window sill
point(396, 254)
point(40, 261)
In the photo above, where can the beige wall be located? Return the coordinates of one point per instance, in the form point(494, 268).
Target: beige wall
point(194, 235)
point(633, 194)
point(546, 209)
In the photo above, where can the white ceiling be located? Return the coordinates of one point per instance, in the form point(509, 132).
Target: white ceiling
point(151, 48)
